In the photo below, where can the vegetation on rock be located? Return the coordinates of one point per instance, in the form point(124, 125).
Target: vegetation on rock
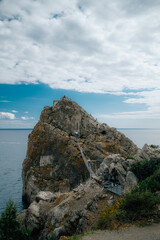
point(140, 204)
point(154, 146)
point(144, 169)
point(10, 228)
point(151, 183)
point(54, 173)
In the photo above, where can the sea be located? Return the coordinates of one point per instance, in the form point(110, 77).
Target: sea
point(13, 147)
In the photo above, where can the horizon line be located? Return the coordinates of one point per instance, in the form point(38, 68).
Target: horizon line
point(119, 128)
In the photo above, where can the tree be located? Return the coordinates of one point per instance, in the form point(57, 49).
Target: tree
point(10, 226)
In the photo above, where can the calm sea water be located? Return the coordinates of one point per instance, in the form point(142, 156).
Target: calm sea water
point(142, 136)
point(13, 146)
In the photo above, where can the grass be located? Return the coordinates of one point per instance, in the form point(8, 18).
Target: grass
point(79, 236)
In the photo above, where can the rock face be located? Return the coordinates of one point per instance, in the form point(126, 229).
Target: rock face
point(148, 152)
point(65, 214)
point(54, 162)
point(115, 169)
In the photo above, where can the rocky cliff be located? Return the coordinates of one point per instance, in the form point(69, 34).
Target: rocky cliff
point(62, 202)
point(54, 162)
point(65, 214)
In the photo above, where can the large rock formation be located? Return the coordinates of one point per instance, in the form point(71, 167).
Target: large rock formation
point(65, 214)
point(54, 162)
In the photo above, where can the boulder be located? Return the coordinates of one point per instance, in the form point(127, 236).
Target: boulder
point(131, 181)
point(45, 196)
point(147, 153)
point(67, 214)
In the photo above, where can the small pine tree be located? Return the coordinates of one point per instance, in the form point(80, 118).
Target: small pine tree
point(9, 225)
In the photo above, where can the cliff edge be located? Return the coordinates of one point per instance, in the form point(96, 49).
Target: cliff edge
point(54, 162)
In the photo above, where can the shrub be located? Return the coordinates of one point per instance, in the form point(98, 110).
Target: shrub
point(53, 237)
point(154, 146)
point(10, 226)
point(108, 215)
point(144, 169)
point(130, 157)
point(137, 205)
point(151, 183)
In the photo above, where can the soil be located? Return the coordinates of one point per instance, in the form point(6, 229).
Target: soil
point(151, 232)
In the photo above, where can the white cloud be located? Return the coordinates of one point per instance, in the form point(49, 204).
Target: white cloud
point(150, 98)
point(88, 46)
point(27, 118)
point(26, 112)
point(101, 46)
point(14, 111)
point(7, 115)
point(129, 115)
point(5, 101)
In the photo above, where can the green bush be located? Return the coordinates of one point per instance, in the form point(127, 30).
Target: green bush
point(154, 146)
point(53, 237)
point(151, 183)
point(144, 169)
point(137, 205)
point(130, 157)
point(10, 226)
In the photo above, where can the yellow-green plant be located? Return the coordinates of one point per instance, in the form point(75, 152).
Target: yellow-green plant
point(108, 215)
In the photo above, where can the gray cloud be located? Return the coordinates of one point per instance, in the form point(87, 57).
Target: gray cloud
point(88, 46)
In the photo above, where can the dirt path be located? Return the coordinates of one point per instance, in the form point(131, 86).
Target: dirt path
point(151, 232)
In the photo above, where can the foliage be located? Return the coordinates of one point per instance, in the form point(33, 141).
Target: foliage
point(53, 237)
point(137, 205)
point(108, 215)
point(79, 236)
point(154, 146)
point(130, 157)
point(144, 169)
point(151, 183)
point(10, 226)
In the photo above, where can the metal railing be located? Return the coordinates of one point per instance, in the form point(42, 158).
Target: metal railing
point(109, 186)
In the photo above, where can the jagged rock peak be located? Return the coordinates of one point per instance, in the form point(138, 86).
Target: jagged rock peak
point(68, 116)
point(54, 161)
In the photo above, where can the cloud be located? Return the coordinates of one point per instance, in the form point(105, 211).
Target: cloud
point(107, 46)
point(25, 112)
point(14, 111)
point(150, 98)
point(129, 115)
point(27, 118)
point(7, 115)
point(87, 46)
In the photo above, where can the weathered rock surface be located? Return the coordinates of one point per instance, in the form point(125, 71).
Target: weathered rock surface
point(115, 169)
point(65, 213)
point(54, 170)
point(148, 152)
point(54, 162)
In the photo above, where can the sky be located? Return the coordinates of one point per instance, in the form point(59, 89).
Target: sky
point(105, 55)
